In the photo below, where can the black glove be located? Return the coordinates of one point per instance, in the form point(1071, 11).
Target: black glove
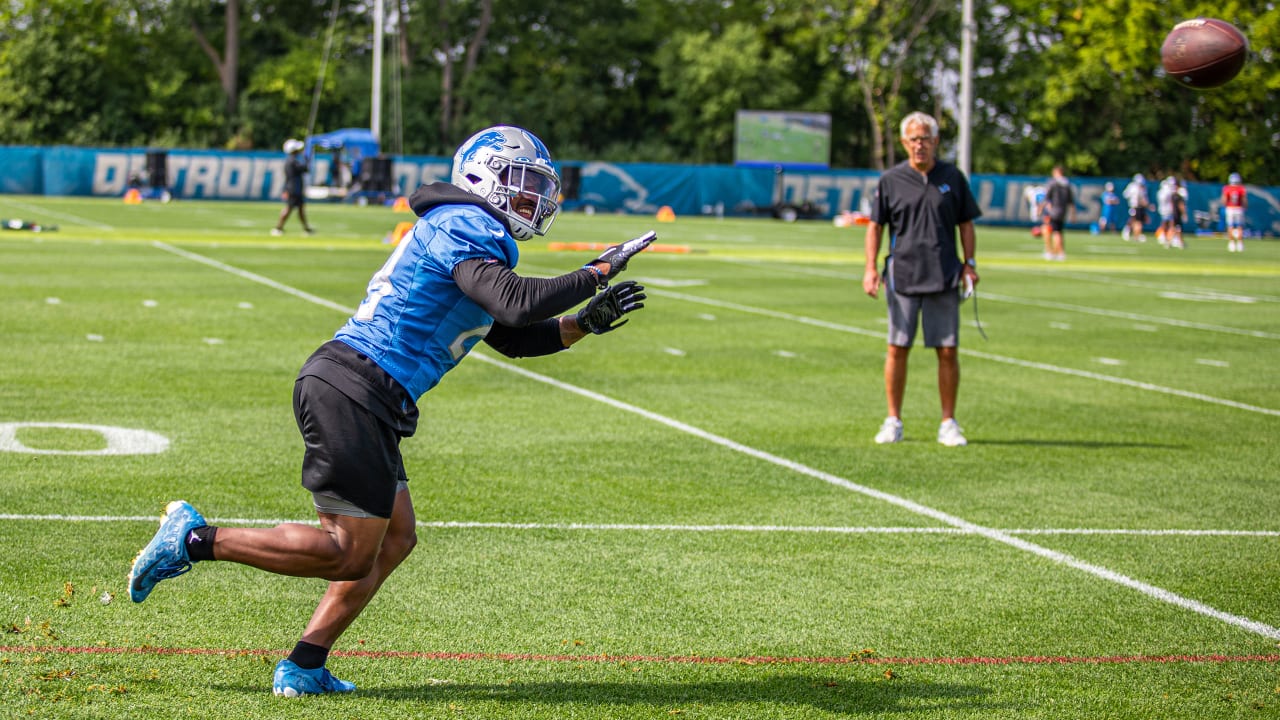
point(618, 255)
point(605, 309)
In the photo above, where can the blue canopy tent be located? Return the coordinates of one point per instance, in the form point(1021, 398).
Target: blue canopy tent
point(349, 147)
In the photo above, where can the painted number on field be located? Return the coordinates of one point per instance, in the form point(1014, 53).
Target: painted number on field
point(119, 441)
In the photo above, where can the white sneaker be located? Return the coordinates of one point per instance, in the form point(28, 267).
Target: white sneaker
point(950, 434)
point(276, 232)
point(890, 431)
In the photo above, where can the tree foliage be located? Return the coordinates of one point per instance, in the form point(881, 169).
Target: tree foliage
point(1062, 81)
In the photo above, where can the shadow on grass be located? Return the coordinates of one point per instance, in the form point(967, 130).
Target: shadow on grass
point(830, 694)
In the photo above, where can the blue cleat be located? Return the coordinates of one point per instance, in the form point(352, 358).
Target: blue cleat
point(166, 555)
point(292, 681)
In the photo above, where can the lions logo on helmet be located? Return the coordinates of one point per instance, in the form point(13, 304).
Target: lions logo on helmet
point(511, 169)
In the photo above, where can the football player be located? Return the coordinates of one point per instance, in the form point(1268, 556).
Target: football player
point(449, 284)
point(1235, 200)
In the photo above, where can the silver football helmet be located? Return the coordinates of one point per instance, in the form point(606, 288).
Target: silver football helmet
point(511, 170)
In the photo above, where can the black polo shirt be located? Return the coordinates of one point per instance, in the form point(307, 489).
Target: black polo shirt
point(1059, 199)
point(922, 218)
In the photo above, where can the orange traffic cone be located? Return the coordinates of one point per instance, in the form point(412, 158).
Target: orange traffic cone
point(399, 232)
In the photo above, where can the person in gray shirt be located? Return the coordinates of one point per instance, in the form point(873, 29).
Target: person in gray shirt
point(925, 203)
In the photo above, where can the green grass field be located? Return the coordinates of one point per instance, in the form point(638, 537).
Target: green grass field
point(685, 518)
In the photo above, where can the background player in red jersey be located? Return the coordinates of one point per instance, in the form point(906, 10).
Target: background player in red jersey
point(1235, 199)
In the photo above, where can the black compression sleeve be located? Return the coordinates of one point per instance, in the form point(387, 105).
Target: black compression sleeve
point(540, 338)
point(517, 301)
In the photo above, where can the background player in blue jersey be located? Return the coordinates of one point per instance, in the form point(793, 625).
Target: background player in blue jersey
point(447, 285)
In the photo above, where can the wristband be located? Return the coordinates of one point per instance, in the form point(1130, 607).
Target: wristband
point(601, 283)
point(971, 263)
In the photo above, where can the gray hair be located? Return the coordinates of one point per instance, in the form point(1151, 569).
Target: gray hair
point(919, 118)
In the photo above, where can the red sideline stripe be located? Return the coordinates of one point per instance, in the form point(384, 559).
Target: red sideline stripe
point(854, 659)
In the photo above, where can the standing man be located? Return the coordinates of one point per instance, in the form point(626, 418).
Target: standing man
point(1059, 201)
point(1034, 195)
point(447, 285)
point(1179, 212)
point(1171, 203)
point(1135, 193)
point(295, 196)
point(924, 203)
point(1107, 214)
point(1235, 198)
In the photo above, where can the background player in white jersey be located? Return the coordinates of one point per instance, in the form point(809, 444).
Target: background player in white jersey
point(448, 285)
point(1135, 193)
point(1171, 201)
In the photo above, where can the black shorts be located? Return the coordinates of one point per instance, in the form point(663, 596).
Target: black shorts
point(350, 452)
point(295, 200)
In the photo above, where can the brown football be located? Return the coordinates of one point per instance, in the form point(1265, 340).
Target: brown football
point(1204, 52)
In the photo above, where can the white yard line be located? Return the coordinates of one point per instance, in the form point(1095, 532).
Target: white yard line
point(944, 518)
point(1101, 312)
point(1094, 277)
point(314, 299)
point(1136, 384)
point(678, 528)
point(906, 504)
point(63, 216)
point(1108, 280)
point(1083, 309)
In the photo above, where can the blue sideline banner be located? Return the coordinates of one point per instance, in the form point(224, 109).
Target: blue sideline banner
point(636, 188)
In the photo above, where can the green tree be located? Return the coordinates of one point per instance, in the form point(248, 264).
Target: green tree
point(67, 74)
point(1081, 84)
point(284, 56)
point(889, 52)
point(661, 80)
point(226, 62)
point(581, 81)
point(708, 77)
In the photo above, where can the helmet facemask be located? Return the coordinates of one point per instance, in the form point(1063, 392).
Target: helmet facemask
point(511, 170)
point(528, 196)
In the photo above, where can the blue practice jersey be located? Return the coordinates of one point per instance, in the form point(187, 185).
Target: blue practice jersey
point(415, 322)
